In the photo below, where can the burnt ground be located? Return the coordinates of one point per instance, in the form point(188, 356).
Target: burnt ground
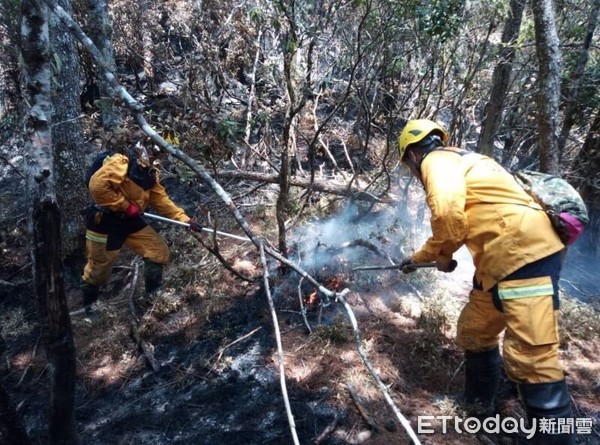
point(215, 377)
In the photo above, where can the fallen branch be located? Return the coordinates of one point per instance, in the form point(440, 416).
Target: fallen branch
point(214, 249)
point(15, 168)
point(361, 351)
point(361, 409)
point(328, 430)
point(280, 355)
point(222, 350)
point(461, 364)
point(315, 186)
point(340, 297)
point(146, 347)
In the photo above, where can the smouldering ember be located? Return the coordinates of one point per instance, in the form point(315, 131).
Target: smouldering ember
point(332, 283)
point(312, 298)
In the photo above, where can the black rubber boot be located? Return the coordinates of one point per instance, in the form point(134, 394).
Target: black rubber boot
point(90, 294)
point(549, 401)
point(153, 273)
point(482, 377)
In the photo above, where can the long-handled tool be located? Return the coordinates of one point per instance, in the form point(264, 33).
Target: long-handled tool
point(204, 229)
point(409, 266)
point(397, 266)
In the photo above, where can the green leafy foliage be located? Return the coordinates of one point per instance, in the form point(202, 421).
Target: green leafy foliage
point(228, 129)
point(441, 19)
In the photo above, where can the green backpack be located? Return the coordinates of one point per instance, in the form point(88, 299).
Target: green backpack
point(559, 199)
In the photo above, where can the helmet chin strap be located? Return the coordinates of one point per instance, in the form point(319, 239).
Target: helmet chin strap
point(413, 160)
point(417, 153)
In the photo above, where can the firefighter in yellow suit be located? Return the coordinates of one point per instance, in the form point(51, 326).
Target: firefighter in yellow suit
point(122, 188)
point(517, 256)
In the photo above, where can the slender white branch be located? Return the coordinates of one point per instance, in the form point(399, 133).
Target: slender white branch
point(361, 351)
point(286, 400)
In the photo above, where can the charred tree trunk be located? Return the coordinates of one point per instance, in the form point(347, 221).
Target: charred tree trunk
point(574, 82)
point(283, 199)
point(549, 61)
point(67, 135)
point(46, 225)
point(501, 79)
point(51, 300)
point(11, 427)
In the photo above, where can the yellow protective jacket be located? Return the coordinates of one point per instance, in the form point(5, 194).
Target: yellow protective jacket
point(112, 188)
point(476, 202)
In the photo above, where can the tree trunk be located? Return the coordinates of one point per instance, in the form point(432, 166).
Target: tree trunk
point(290, 54)
point(52, 302)
point(100, 31)
point(67, 135)
point(588, 166)
point(283, 199)
point(45, 225)
point(548, 54)
point(501, 79)
point(147, 45)
point(12, 430)
point(574, 81)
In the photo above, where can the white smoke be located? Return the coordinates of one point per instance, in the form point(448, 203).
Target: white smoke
point(352, 235)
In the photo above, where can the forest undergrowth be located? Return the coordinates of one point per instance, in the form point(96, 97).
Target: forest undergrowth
point(198, 363)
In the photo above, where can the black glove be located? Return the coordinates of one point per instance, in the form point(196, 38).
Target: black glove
point(194, 226)
point(446, 266)
point(405, 264)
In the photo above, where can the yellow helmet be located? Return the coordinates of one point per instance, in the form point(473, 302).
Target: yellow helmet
point(416, 130)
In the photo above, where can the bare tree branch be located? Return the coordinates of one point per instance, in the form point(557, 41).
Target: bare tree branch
point(315, 186)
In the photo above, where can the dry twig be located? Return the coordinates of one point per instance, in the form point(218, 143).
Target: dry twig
point(361, 409)
point(33, 354)
point(132, 294)
point(222, 349)
point(302, 308)
point(328, 430)
point(136, 331)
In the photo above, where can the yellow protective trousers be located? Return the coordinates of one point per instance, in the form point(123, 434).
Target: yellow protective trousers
point(528, 317)
point(145, 242)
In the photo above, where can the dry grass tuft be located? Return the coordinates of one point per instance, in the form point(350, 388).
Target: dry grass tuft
point(578, 321)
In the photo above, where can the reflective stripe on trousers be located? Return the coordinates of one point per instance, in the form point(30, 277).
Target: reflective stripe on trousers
point(530, 347)
point(145, 242)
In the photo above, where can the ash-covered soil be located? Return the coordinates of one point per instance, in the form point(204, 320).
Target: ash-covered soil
point(208, 371)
